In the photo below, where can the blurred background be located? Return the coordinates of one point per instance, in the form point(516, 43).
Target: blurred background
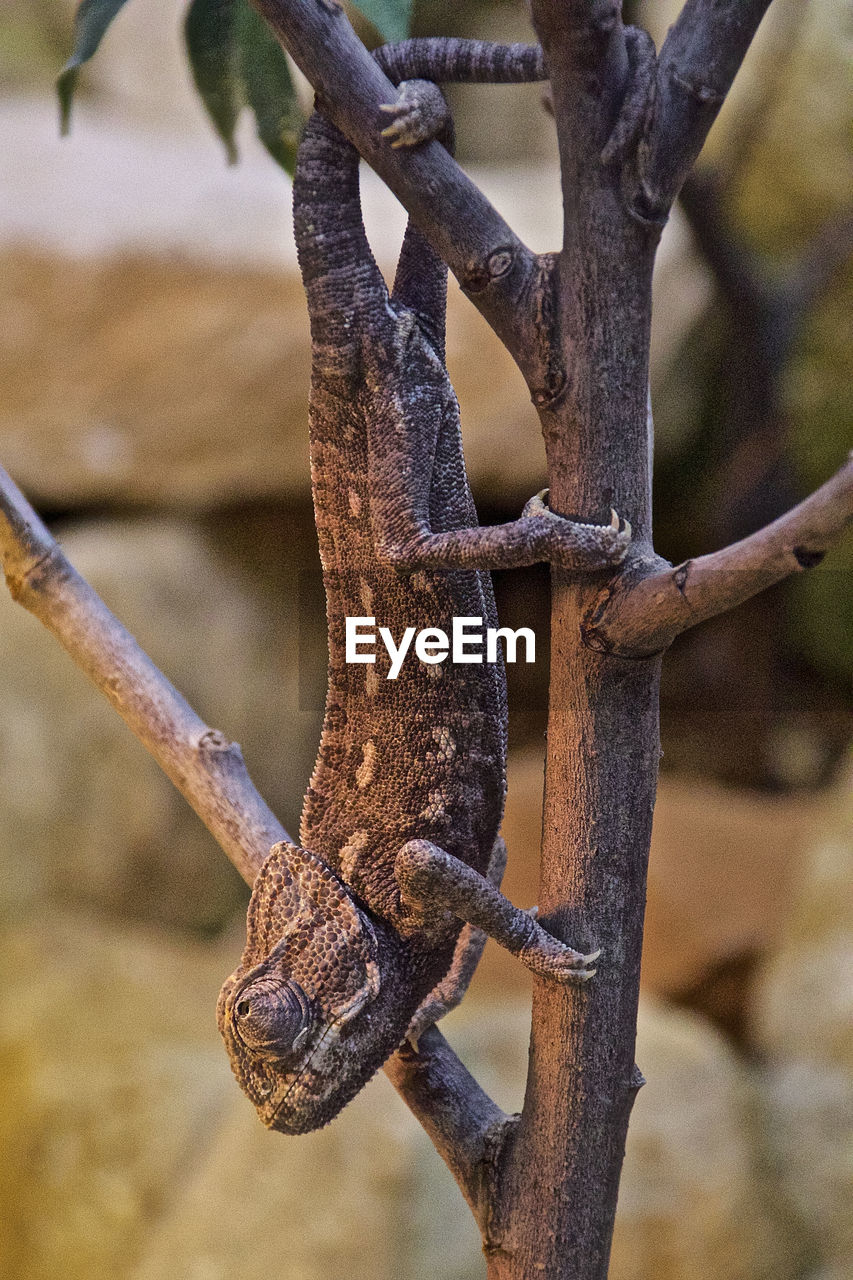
point(154, 364)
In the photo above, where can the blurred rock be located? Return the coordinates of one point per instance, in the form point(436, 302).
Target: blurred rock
point(720, 874)
point(86, 815)
point(694, 1201)
point(130, 1153)
point(803, 1026)
point(366, 1198)
point(111, 1081)
point(156, 350)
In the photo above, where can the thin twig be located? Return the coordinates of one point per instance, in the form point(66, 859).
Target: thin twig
point(641, 615)
point(698, 62)
point(206, 768)
point(466, 1127)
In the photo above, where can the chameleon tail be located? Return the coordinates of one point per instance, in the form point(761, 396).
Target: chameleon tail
point(421, 280)
point(446, 59)
point(338, 268)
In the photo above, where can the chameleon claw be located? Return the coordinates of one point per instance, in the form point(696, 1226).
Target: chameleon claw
point(617, 525)
point(401, 132)
point(537, 505)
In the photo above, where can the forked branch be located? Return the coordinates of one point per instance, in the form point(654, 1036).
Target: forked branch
point(641, 615)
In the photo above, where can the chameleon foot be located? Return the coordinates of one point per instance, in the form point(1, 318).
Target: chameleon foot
point(581, 546)
point(433, 881)
point(548, 958)
point(420, 114)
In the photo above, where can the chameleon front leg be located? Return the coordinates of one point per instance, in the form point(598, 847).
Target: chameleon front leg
point(448, 993)
point(433, 882)
point(415, 447)
point(416, 473)
point(406, 541)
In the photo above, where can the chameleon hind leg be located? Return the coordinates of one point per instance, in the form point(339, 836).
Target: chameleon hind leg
point(433, 882)
point(448, 993)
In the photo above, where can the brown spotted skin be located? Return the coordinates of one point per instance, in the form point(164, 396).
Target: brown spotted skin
point(335, 966)
point(422, 755)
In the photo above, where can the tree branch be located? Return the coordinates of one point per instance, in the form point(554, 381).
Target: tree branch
point(466, 1127)
point(584, 44)
point(641, 615)
point(778, 54)
point(698, 62)
point(560, 1174)
point(206, 768)
point(209, 772)
point(495, 269)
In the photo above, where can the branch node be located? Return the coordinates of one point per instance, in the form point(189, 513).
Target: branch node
point(499, 263)
point(598, 638)
point(807, 559)
point(701, 93)
point(479, 275)
point(555, 385)
point(18, 582)
point(495, 1143)
point(646, 209)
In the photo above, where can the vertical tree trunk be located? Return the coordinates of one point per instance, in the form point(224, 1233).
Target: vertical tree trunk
point(562, 1174)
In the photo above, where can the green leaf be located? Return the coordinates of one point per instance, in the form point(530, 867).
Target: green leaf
point(90, 22)
point(269, 87)
point(210, 31)
point(391, 18)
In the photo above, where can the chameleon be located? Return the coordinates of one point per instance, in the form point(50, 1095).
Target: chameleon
point(369, 930)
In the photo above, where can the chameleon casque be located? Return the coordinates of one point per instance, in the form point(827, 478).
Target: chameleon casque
point(371, 929)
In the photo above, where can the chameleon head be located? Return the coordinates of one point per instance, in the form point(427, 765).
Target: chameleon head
point(299, 1016)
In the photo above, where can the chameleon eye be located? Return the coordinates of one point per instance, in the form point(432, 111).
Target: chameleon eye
point(272, 1017)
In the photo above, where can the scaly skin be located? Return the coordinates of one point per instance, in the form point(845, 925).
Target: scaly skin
point(358, 936)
